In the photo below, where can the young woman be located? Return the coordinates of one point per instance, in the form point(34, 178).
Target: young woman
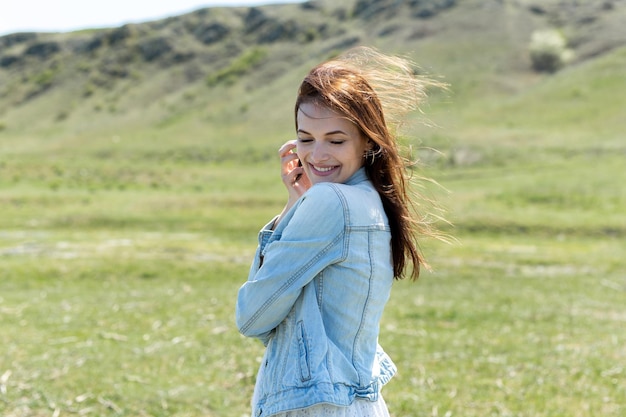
point(324, 267)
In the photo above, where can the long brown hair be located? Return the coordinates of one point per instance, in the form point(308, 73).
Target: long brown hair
point(366, 94)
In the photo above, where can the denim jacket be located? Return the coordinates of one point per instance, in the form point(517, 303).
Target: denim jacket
point(315, 296)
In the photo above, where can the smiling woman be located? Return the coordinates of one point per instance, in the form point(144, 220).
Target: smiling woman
point(323, 271)
point(330, 147)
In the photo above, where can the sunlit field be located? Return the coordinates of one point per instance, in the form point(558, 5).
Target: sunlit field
point(122, 245)
point(117, 296)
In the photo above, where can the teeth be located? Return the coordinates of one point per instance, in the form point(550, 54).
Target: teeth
point(322, 169)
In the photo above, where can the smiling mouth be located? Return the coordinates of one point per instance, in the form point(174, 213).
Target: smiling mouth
point(323, 170)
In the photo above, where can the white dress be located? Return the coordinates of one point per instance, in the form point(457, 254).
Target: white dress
point(359, 408)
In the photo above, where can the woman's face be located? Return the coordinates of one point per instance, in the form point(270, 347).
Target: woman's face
point(330, 147)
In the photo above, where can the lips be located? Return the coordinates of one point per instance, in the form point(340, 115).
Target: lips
point(322, 171)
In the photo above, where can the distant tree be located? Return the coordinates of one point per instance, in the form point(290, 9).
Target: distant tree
point(548, 50)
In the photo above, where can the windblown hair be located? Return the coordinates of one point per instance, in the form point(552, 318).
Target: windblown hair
point(375, 91)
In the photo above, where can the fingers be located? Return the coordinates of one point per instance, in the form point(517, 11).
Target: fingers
point(287, 147)
point(291, 171)
point(288, 158)
point(293, 175)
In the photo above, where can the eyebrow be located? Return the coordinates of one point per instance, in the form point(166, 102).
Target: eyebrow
point(333, 132)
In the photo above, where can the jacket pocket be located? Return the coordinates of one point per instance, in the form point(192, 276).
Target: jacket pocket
point(303, 350)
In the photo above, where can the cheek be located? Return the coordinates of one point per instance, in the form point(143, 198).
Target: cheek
point(357, 156)
point(302, 153)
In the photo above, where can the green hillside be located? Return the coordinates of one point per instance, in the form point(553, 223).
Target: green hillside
point(168, 100)
point(215, 63)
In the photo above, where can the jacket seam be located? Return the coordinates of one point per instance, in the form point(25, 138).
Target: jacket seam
point(364, 311)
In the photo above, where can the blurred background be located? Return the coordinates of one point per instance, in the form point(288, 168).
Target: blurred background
point(138, 161)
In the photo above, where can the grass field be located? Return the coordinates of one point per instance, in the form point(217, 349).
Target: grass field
point(504, 327)
point(120, 300)
point(122, 249)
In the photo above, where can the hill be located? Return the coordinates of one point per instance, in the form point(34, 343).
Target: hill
point(151, 74)
point(180, 103)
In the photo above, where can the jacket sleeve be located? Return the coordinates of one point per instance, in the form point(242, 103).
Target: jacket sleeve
point(311, 239)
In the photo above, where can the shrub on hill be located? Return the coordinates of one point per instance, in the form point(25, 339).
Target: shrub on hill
point(238, 67)
point(548, 50)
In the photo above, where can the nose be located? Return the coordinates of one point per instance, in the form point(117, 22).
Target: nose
point(319, 154)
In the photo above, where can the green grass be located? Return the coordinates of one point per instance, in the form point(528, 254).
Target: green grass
point(119, 281)
point(511, 326)
point(135, 323)
point(122, 336)
point(128, 219)
point(121, 257)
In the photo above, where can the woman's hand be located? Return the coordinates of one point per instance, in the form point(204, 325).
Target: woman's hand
point(292, 174)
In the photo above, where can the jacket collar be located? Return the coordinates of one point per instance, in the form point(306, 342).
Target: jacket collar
point(359, 176)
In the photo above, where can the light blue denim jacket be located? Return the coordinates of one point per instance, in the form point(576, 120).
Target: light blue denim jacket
point(315, 296)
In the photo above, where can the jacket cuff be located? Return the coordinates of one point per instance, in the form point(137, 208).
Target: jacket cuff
point(266, 233)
